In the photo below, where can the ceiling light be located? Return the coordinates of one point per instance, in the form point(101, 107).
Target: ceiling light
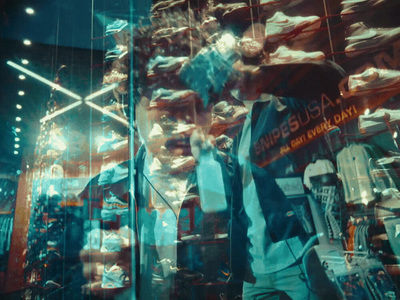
point(29, 10)
point(25, 61)
point(16, 146)
point(17, 129)
point(18, 106)
point(16, 152)
point(27, 42)
point(22, 77)
point(21, 93)
point(18, 119)
point(17, 139)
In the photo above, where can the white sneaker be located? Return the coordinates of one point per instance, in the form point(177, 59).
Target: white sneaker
point(114, 277)
point(350, 8)
point(284, 55)
point(281, 27)
point(374, 80)
point(111, 242)
point(360, 38)
point(113, 202)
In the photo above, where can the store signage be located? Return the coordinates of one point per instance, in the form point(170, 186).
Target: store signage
point(321, 115)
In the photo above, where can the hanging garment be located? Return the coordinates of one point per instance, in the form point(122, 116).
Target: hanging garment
point(353, 167)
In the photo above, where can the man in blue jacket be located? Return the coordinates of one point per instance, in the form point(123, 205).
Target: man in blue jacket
point(268, 239)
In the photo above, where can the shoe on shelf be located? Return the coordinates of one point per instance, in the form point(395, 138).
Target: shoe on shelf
point(167, 97)
point(167, 4)
point(113, 277)
point(281, 27)
point(374, 80)
point(113, 202)
point(165, 64)
point(360, 38)
point(351, 8)
point(225, 113)
point(117, 52)
point(114, 77)
point(116, 26)
point(284, 55)
point(119, 31)
point(111, 242)
point(168, 128)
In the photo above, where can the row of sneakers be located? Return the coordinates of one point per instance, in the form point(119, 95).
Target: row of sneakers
point(116, 75)
point(278, 30)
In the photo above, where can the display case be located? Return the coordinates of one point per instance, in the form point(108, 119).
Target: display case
point(201, 150)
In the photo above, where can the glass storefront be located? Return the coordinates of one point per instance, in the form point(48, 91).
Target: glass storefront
point(200, 149)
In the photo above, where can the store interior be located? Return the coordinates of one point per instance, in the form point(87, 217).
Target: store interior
point(189, 149)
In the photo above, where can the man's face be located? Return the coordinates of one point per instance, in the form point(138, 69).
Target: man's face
point(171, 127)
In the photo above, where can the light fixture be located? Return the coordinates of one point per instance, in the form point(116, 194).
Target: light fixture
point(27, 166)
point(44, 80)
point(27, 42)
point(21, 93)
point(17, 139)
point(18, 106)
point(367, 111)
point(18, 119)
point(17, 129)
point(30, 11)
point(16, 146)
point(25, 61)
point(16, 152)
point(395, 135)
point(21, 77)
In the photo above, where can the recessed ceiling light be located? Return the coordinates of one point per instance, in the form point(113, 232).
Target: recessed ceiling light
point(16, 152)
point(17, 139)
point(17, 129)
point(18, 119)
point(16, 146)
point(27, 42)
point(21, 93)
point(25, 61)
point(30, 11)
point(18, 106)
point(22, 77)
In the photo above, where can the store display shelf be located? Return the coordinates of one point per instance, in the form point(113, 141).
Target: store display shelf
point(97, 256)
point(95, 289)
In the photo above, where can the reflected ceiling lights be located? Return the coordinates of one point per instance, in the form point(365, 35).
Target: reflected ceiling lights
point(30, 11)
